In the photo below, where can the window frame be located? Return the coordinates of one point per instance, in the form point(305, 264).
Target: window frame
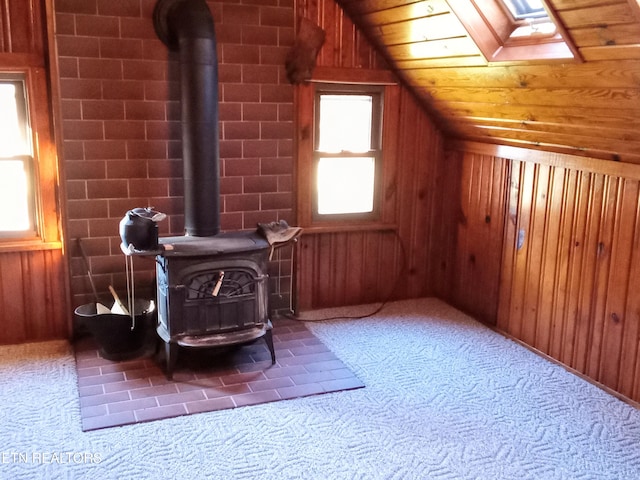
point(19, 80)
point(43, 168)
point(377, 94)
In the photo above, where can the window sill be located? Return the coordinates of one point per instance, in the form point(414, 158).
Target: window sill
point(318, 230)
point(28, 246)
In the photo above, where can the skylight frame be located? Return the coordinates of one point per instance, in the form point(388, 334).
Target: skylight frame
point(491, 25)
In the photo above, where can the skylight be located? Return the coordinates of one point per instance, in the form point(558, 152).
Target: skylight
point(525, 9)
point(514, 30)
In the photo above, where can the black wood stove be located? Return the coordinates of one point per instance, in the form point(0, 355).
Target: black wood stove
point(212, 291)
point(212, 287)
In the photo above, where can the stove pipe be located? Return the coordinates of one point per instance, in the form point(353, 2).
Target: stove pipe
point(186, 26)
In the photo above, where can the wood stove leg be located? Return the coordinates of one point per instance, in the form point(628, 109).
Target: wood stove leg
point(171, 354)
point(268, 337)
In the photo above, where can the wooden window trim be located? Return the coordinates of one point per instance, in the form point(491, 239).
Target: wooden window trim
point(44, 162)
point(490, 26)
point(377, 94)
point(305, 96)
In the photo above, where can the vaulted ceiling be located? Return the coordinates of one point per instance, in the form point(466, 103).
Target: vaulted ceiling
point(589, 106)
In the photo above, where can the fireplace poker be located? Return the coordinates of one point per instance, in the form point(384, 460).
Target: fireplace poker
point(88, 267)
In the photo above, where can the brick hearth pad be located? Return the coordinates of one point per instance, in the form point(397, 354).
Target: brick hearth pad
point(133, 391)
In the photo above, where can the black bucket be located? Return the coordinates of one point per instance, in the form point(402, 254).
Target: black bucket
point(113, 333)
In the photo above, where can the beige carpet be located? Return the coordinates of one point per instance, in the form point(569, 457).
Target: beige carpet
point(445, 398)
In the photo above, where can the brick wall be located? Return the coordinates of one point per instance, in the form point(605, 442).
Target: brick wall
point(121, 129)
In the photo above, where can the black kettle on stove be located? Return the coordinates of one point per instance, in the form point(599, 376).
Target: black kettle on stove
point(139, 229)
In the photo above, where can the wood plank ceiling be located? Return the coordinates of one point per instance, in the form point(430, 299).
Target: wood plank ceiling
point(589, 107)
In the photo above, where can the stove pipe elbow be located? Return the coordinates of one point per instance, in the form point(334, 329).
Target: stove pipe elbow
point(186, 26)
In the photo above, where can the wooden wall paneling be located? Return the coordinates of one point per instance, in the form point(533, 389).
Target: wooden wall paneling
point(349, 35)
point(34, 285)
point(444, 224)
point(554, 268)
point(392, 262)
point(370, 278)
point(515, 280)
point(468, 228)
point(12, 298)
point(392, 266)
point(460, 280)
point(509, 247)
point(330, 17)
point(303, 99)
point(33, 296)
point(326, 278)
point(479, 251)
point(316, 288)
point(604, 233)
point(408, 201)
point(429, 148)
point(527, 234)
point(390, 145)
point(596, 277)
point(21, 27)
point(495, 237)
point(570, 260)
point(57, 318)
point(534, 238)
point(46, 306)
point(421, 192)
point(438, 166)
point(548, 285)
point(561, 216)
point(331, 279)
point(551, 265)
point(343, 268)
point(577, 202)
point(344, 44)
point(603, 243)
point(629, 367)
point(304, 273)
point(355, 263)
point(616, 315)
point(592, 187)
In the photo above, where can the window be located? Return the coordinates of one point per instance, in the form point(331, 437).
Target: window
point(521, 9)
point(347, 153)
point(17, 197)
point(512, 30)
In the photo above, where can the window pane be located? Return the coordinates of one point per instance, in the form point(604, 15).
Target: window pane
point(13, 139)
point(14, 194)
point(345, 123)
point(345, 185)
point(521, 9)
